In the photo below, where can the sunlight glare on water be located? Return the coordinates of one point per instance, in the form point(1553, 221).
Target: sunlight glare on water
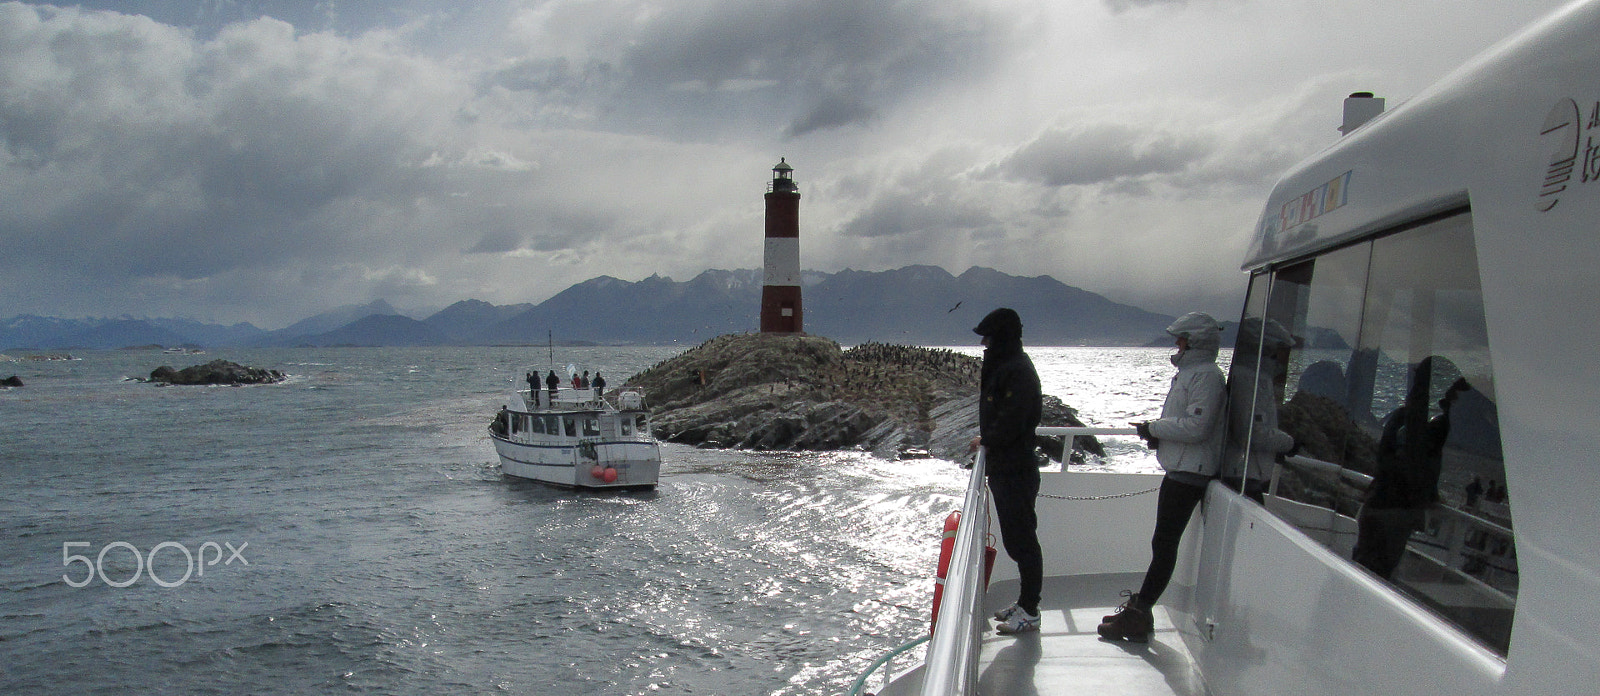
point(388, 554)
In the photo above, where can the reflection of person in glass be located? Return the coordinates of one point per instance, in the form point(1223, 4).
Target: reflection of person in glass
point(1406, 483)
point(1188, 442)
point(1260, 364)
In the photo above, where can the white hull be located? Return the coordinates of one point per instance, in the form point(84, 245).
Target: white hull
point(637, 464)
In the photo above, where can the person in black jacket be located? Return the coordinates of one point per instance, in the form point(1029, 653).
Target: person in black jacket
point(1009, 408)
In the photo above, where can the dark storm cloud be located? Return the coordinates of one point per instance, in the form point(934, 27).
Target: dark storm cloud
point(142, 153)
point(1103, 153)
point(818, 59)
point(832, 112)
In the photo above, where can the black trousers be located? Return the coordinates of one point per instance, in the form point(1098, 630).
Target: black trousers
point(1173, 509)
point(1014, 495)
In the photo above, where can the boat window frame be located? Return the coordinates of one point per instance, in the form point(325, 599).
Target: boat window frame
point(1405, 306)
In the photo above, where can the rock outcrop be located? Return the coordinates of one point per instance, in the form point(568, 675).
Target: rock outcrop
point(798, 392)
point(216, 372)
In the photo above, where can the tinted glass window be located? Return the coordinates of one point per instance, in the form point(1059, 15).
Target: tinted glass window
point(1364, 413)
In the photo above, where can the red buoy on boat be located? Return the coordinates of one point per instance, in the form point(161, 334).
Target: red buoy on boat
point(947, 546)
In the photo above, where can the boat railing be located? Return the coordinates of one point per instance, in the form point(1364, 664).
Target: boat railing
point(951, 665)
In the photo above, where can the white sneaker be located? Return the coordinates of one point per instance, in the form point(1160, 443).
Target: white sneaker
point(1006, 613)
point(1019, 621)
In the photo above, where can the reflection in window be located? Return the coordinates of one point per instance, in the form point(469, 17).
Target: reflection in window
point(1364, 413)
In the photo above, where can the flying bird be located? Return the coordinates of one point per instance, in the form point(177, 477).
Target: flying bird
point(952, 309)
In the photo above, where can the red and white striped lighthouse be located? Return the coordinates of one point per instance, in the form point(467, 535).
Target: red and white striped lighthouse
point(780, 290)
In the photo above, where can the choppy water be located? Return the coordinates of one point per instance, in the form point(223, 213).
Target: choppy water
point(351, 531)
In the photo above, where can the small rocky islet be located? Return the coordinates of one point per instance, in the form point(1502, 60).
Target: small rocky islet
point(802, 392)
point(215, 372)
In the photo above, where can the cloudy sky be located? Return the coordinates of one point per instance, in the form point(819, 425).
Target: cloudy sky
point(256, 160)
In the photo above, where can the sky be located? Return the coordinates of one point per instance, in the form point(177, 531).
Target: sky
point(263, 161)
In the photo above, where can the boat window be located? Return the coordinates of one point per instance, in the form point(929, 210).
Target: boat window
point(1363, 412)
point(516, 424)
point(572, 426)
point(591, 426)
point(625, 426)
point(641, 423)
point(552, 425)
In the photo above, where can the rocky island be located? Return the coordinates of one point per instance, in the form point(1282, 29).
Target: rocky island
point(216, 372)
point(800, 392)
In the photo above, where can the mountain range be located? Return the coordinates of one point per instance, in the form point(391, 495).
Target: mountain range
point(915, 305)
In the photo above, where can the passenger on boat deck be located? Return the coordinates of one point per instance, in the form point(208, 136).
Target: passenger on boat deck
point(1188, 440)
point(1010, 404)
point(554, 383)
point(599, 385)
point(584, 383)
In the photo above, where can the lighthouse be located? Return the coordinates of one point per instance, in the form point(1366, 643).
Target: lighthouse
point(780, 289)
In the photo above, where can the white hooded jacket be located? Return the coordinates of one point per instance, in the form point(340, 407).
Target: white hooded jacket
point(1191, 428)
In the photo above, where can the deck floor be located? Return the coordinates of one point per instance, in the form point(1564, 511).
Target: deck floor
point(1067, 656)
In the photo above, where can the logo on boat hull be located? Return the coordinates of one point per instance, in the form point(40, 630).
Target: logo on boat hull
point(1574, 154)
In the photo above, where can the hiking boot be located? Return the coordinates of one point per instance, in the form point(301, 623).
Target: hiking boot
point(1133, 624)
point(1131, 599)
point(1019, 621)
point(1006, 613)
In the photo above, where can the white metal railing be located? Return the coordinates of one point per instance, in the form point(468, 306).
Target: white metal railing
point(951, 665)
point(1051, 431)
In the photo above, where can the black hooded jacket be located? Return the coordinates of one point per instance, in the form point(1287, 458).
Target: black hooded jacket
point(1010, 401)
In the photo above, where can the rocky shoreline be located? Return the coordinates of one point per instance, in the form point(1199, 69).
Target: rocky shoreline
point(799, 392)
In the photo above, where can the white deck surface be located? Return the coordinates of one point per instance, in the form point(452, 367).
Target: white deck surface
point(1067, 656)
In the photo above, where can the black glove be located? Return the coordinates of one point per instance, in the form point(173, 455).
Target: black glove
point(1143, 429)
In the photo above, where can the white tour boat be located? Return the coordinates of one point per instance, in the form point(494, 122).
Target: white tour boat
point(1439, 260)
point(576, 439)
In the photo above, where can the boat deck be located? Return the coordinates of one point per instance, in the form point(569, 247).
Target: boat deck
point(1067, 656)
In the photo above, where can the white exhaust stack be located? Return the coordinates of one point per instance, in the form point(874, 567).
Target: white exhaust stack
point(1359, 108)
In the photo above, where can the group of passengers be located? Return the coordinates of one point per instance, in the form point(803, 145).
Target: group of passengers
point(1192, 438)
point(1187, 439)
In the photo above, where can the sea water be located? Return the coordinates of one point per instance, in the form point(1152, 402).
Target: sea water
point(349, 530)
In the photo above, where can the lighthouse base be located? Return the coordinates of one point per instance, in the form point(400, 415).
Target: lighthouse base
point(780, 309)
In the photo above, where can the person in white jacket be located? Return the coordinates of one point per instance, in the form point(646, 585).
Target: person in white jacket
point(1188, 441)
